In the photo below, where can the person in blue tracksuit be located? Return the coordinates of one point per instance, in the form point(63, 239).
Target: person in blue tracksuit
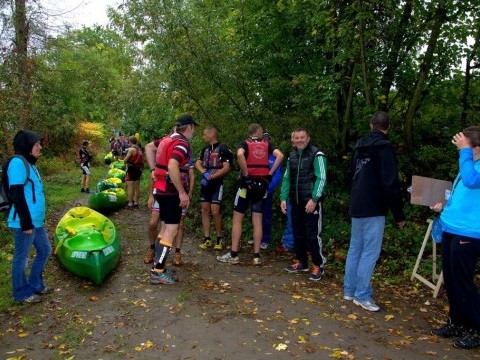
point(460, 221)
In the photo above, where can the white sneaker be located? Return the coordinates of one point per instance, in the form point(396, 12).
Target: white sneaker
point(367, 305)
point(227, 258)
point(347, 297)
point(264, 246)
point(250, 242)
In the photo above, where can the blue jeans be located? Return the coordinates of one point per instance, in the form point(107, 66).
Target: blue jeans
point(287, 238)
point(363, 253)
point(23, 288)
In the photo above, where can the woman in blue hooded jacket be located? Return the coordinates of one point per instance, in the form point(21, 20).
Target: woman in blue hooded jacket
point(461, 244)
point(27, 218)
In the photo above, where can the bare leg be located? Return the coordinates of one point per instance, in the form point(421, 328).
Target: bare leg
point(217, 219)
point(257, 231)
point(236, 230)
point(206, 219)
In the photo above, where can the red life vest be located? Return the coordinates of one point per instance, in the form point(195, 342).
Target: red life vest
point(137, 159)
point(211, 159)
point(257, 160)
point(164, 152)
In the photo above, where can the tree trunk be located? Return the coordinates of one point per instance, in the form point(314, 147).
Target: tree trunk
point(440, 17)
point(397, 42)
point(23, 71)
point(471, 56)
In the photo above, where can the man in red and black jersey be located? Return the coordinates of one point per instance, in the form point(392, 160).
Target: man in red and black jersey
point(172, 156)
point(213, 164)
point(253, 160)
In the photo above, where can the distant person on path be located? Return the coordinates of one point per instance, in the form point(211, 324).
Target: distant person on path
point(460, 221)
point(173, 153)
point(375, 189)
point(213, 164)
point(252, 157)
point(135, 163)
point(85, 157)
point(304, 184)
point(27, 217)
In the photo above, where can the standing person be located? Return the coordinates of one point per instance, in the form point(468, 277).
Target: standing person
point(173, 153)
point(134, 161)
point(461, 244)
point(213, 164)
point(375, 189)
point(304, 184)
point(268, 203)
point(152, 204)
point(27, 217)
point(188, 179)
point(85, 158)
point(252, 157)
point(124, 146)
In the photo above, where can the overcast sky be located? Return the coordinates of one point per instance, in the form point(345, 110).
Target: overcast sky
point(77, 13)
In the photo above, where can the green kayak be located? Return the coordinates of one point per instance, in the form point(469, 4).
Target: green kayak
point(109, 183)
point(108, 200)
point(119, 164)
point(87, 244)
point(108, 158)
point(117, 173)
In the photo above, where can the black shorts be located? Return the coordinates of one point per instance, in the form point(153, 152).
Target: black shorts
point(242, 201)
point(212, 193)
point(133, 173)
point(170, 210)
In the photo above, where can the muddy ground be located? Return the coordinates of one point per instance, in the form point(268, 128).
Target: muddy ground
point(219, 311)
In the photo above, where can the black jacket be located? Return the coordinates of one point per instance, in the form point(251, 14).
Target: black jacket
point(375, 185)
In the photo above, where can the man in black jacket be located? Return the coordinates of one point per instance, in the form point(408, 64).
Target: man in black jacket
point(375, 189)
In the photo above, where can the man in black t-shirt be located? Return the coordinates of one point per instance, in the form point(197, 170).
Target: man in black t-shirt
point(213, 164)
point(85, 157)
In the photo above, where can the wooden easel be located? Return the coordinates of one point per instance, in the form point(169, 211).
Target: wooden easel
point(437, 278)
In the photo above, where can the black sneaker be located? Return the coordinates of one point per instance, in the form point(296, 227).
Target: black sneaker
point(469, 340)
point(87, 190)
point(82, 190)
point(47, 290)
point(450, 330)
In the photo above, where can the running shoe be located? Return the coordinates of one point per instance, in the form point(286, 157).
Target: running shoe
point(32, 299)
point(206, 244)
point(449, 330)
point(164, 278)
point(149, 256)
point(219, 246)
point(347, 297)
point(367, 305)
point(470, 340)
point(46, 290)
point(264, 246)
point(316, 274)
point(250, 242)
point(257, 261)
point(296, 267)
point(227, 258)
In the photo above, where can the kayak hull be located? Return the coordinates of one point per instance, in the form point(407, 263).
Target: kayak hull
point(108, 200)
point(87, 244)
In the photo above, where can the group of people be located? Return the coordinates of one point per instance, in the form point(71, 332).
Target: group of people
point(375, 190)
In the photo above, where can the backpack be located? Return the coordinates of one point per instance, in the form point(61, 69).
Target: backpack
point(5, 202)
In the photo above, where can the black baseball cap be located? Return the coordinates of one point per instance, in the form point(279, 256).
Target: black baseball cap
point(185, 119)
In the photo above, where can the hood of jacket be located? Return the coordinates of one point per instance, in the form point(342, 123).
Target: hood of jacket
point(23, 143)
point(374, 138)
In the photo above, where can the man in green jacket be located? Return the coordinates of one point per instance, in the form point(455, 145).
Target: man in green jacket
point(304, 183)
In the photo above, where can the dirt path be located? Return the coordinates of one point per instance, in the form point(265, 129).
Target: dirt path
point(218, 311)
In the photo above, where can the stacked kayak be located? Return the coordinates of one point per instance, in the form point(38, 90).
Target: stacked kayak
point(86, 243)
point(108, 200)
point(119, 164)
point(117, 173)
point(109, 183)
point(108, 158)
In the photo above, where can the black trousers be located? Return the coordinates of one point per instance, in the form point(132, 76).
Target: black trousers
point(459, 258)
point(307, 229)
